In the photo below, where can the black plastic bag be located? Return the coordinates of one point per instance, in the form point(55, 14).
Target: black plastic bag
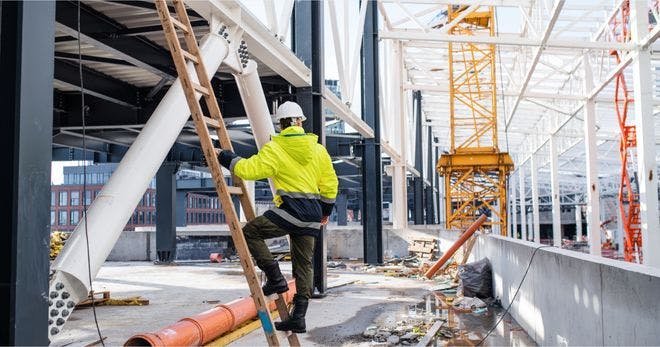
point(476, 279)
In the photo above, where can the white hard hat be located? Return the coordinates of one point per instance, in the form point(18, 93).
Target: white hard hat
point(289, 109)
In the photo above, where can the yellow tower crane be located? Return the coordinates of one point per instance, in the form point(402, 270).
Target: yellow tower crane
point(474, 170)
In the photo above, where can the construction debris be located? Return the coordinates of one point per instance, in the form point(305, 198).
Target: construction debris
point(57, 241)
point(104, 299)
point(425, 248)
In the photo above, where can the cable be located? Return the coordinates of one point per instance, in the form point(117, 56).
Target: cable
point(84, 198)
point(514, 295)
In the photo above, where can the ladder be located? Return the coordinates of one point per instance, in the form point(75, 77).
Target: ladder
point(214, 121)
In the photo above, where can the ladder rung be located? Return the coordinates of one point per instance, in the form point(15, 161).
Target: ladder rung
point(190, 56)
point(179, 25)
point(212, 122)
point(234, 190)
point(200, 89)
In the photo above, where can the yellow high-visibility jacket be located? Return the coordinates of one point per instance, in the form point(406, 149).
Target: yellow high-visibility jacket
point(303, 176)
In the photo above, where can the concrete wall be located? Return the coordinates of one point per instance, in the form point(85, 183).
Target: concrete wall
point(346, 242)
point(134, 245)
point(570, 298)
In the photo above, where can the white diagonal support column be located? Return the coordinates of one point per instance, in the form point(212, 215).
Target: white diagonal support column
point(523, 217)
point(644, 124)
point(536, 218)
point(554, 182)
point(591, 151)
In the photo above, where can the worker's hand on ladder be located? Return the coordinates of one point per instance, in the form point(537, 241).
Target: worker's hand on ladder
point(225, 158)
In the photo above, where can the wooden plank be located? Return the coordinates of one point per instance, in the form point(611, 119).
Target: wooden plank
point(212, 122)
point(236, 334)
point(283, 311)
point(179, 25)
point(203, 90)
point(430, 334)
point(235, 190)
point(190, 57)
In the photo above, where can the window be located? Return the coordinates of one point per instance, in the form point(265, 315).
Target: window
point(52, 217)
point(141, 217)
point(75, 198)
point(75, 217)
point(153, 199)
point(148, 217)
point(64, 198)
point(88, 197)
point(52, 199)
point(62, 218)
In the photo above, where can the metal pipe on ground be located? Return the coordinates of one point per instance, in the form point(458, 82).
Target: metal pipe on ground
point(207, 326)
point(450, 252)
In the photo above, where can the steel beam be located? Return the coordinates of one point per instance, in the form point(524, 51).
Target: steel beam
point(536, 225)
point(26, 71)
point(97, 84)
point(95, 25)
point(643, 81)
point(554, 182)
point(556, 10)
point(262, 42)
point(430, 178)
point(166, 213)
point(372, 205)
point(523, 207)
point(419, 35)
point(591, 152)
point(514, 209)
point(418, 182)
point(308, 45)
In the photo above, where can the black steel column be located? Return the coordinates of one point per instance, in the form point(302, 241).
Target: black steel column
point(372, 180)
point(418, 182)
point(26, 74)
point(430, 176)
point(342, 209)
point(181, 216)
point(166, 212)
point(308, 46)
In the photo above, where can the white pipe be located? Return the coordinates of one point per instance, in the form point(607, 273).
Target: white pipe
point(108, 214)
point(254, 101)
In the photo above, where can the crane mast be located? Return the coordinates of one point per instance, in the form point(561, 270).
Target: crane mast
point(474, 170)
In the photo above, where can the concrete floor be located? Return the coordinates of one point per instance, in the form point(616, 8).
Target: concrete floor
point(187, 289)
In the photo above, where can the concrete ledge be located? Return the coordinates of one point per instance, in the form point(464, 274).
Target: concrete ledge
point(571, 298)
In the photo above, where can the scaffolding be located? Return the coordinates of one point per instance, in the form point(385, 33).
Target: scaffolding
point(628, 190)
point(474, 170)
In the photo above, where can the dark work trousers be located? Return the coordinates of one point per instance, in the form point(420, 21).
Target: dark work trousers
point(302, 249)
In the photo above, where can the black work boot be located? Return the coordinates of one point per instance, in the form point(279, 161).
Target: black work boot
point(275, 282)
point(296, 321)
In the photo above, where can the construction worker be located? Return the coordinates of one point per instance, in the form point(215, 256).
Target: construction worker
point(306, 188)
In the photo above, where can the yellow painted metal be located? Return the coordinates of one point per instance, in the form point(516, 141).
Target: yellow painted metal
point(474, 170)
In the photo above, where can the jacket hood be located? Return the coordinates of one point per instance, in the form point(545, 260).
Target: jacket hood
point(296, 143)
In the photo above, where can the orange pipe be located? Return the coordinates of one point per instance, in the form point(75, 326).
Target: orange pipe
point(206, 326)
point(450, 252)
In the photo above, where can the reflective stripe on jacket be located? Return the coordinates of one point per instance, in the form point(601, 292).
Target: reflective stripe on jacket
point(303, 176)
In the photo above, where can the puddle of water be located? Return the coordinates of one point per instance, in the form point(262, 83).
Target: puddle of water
point(468, 328)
